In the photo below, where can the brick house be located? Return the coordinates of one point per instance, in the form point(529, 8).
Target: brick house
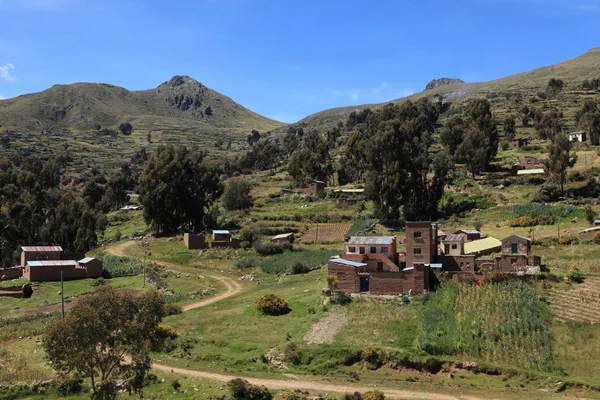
point(41, 271)
point(313, 187)
point(194, 241)
point(223, 238)
point(517, 143)
point(284, 238)
point(40, 253)
point(469, 234)
point(530, 162)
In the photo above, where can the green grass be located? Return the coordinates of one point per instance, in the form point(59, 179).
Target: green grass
point(281, 263)
point(360, 226)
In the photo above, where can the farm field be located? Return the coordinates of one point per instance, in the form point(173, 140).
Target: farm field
point(581, 303)
point(326, 233)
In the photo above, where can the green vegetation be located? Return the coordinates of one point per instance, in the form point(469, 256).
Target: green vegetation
point(115, 266)
point(284, 262)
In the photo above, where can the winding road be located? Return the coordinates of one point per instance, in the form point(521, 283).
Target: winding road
point(232, 288)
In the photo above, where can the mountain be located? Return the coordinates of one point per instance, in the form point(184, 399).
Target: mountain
point(181, 103)
point(442, 82)
point(527, 85)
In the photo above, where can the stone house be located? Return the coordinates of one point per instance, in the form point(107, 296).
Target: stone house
point(518, 142)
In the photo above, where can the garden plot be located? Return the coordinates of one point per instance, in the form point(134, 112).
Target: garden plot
point(581, 304)
point(326, 233)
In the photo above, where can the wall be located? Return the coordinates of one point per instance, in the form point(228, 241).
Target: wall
point(347, 277)
point(524, 245)
point(233, 244)
point(391, 252)
point(93, 269)
point(40, 274)
point(390, 283)
point(508, 263)
point(35, 256)
point(427, 243)
point(194, 241)
point(453, 263)
point(459, 250)
point(11, 273)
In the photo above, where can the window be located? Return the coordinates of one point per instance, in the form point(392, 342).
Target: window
point(373, 249)
point(361, 250)
point(379, 266)
point(351, 249)
point(417, 235)
point(417, 251)
point(384, 249)
point(454, 247)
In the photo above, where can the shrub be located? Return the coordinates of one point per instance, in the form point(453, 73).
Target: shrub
point(576, 276)
point(69, 386)
point(333, 281)
point(596, 238)
point(371, 357)
point(300, 268)
point(521, 221)
point(267, 249)
point(246, 262)
point(341, 298)
point(172, 309)
point(175, 384)
point(243, 390)
point(98, 281)
point(373, 395)
point(118, 235)
point(115, 266)
point(271, 304)
point(353, 396)
point(564, 240)
point(292, 354)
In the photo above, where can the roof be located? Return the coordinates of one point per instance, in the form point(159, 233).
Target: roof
point(41, 248)
point(408, 269)
point(86, 260)
point(480, 245)
point(518, 138)
point(49, 263)
point(316, 181)
point(352, 190)
point(347, 262)
point(371, 240)
point(518, 236)
point(592, 229)
point(437, 266)
point(597, 221)
point(576, 133)
point(469, 231)
point(533, 171)
point(282, 236)
point(453, 237)
point(221, 232)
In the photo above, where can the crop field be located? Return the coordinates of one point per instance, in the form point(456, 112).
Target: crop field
point(281, 263)
point(580, 304)
point(502, 323)
point(326, 233)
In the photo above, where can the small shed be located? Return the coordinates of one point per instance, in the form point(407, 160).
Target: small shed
point(221, 235)
point(577, 136)
point(284, 238)
point(453, 244)
point(517, 142)
point(469, 234)
point(93, 267)
point(516, 244)
point(352, 276)
point(535, 171)
point(597, 222)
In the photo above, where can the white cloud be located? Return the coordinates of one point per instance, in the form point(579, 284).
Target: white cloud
point(6, 72)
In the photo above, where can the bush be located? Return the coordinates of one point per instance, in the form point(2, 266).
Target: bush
point(98, 282)
point(353, 396)
point(292, 354)
point(576, 276)
point(118, 235)
point(268, 249)
point(243, 390)
point(522, 221)
point(596, 238)
point(69, 386)
point(271, 304)
point(341, 298)
point(115, 266)
point(371, 357)
point(373, 395)
point(333, 281)
point(300, 268)
point(172, 309)
point(175, 384)
point(564, 240)
point(246, 262)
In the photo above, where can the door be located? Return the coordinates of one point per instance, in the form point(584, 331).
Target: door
point(364, 284)
point(515, 248)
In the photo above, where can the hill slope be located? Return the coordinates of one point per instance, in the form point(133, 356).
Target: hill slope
point(180, 103)
point(573, 72)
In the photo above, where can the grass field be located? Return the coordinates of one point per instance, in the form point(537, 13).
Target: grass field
point(326, 233)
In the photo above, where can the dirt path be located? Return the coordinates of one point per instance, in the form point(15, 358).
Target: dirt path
point(232, 288)
point(325, 329)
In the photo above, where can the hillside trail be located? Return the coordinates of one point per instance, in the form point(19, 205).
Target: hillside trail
point(232, 288)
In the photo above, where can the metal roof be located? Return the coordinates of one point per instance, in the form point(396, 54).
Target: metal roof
point(41, 248)
point(437, 266)
point(86, 260)
point(371, 240)
point(533, 171)
point(597, 221)
point(55, 263)
point(453, 237)
point(519, 236)
point(221, 232)
point(594, 228)
point(347, 262)
point(408, 269)
point(282, 236)
point(352, 190)
point(477, 246)
point(469, 231)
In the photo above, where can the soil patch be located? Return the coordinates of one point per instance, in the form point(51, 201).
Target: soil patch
point(325, 330)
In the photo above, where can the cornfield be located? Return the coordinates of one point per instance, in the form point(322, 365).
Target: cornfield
point(500, 322)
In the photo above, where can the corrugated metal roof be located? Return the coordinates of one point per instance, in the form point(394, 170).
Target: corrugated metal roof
point(86, 260)
point(41, 248)
point(282, 236)
point(408, 269)
point(453, 237)
point(352, 190)
point(533, 171)
point(371, 240)
point(437, 266)
point(348, 262)
point(597, 221)
point(592, 229)
point(221, 232)
point(470, 231)
point(49, 263)
point(481, 245)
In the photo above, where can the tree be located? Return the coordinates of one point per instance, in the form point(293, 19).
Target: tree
point(208, 111)
point(472, 151)
point(554, 86)
point(253, 137)
point(5, 142)
point(236, 195)
point(590, 214)
point(510, 127)
point(312, 160)
point(588, 119)
point(453, 132)
point(550, 124)
point(560, 158)
point(100, 332)
point(177, 187)
point(126, 128)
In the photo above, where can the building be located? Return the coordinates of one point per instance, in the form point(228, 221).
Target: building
point(483, 247)
point(470, 234)
point(577, 136)
point(597, 222)
point(224, 238)
point(517, 143)
point(55, 270)
point(530, 162)
point(313, 187)
point(528, 172)
point(284, 238)
point(194, 241)
point(40, 253)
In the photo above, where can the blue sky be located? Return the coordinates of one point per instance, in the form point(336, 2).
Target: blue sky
point(287, 59)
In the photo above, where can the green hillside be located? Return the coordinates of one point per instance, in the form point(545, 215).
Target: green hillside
point(527, 84)
point(181, 103)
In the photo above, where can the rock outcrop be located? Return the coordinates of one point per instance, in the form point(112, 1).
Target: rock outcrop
point(442, 82)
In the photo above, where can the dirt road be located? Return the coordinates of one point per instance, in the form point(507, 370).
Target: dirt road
point(232, 288)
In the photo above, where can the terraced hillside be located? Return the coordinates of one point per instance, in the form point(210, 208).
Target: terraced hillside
point(580, 304)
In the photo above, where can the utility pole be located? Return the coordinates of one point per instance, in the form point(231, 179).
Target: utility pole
point(62, 294)
point(558, 233)
point(145, 246)
point(317, 233)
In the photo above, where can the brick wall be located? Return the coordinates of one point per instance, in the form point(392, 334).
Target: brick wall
point(523, 245)
point(390, 283)
point(93, 269)
point(40, 274)
point(459, 263)
point(347, 277)
point(194, 241)
point(508, 263)
point(233, 244)
point(11, 273)
point(426, 243)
